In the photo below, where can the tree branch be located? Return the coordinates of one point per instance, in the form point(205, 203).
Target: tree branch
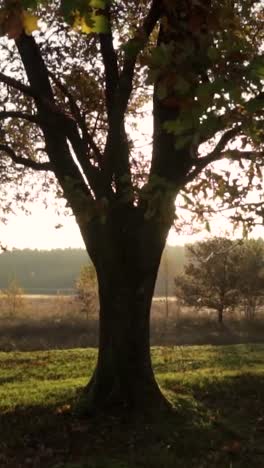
point(215, 155)
point(66, 170)
point(139, 41)
point(47, 166)
point(110, 65)
point(116, 155)
point(13, 83)
point(236, 155)
point(87, 138)
point(19, 115)
point(91, 172)
point(234, 116)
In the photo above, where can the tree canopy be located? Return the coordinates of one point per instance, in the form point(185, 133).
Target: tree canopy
point(221, 274)
point(211, 275)
point(102, 58)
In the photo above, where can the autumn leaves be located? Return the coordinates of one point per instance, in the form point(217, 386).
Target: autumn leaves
point(84, 16)
point(14, 20)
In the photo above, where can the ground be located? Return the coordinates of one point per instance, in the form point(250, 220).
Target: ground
point(218, 420)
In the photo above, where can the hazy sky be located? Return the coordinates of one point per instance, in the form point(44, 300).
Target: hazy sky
point(37, 231)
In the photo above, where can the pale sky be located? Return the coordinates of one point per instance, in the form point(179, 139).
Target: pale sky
point(37, 231)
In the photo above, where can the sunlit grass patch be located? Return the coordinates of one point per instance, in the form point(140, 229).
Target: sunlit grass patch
point(218, 418)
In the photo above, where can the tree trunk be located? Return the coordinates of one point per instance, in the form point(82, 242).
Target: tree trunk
point(220, 316)
point(123, 378)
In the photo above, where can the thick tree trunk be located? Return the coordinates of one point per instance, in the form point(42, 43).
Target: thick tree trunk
point(123, 378)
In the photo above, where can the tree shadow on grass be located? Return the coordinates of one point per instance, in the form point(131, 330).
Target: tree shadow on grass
point(234, 405)
point(52, 436)
point(219, 425)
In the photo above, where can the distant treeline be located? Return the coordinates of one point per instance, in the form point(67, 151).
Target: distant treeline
point(53, 271)
point(42, 271)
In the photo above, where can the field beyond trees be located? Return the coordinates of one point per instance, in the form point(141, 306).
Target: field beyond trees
point(218, 420)
point(60, 322)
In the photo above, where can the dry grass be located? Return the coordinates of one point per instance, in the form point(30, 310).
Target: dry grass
point(57, 322)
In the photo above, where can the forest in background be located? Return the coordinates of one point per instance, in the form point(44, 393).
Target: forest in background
point(55, 271)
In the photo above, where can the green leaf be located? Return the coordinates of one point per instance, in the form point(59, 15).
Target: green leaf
point(98, 4)
point(204, 94)
point(235, 94)
point(213, 53)
point(179, 126)
point(161, 56)
point(26, 4)
point(182, 85)
point(162, 91)
point(209, 125)
point(183, 141)
point(153, 75)
point(255, 104)
point(207, 226)
point(133, 46)
point(101, 24)
point(257, 67)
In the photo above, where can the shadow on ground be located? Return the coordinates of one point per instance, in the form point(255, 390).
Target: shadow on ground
point(209, 427)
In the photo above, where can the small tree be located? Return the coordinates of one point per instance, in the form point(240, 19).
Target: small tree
point(13, 298)
point(210, 276)
point(87, 290)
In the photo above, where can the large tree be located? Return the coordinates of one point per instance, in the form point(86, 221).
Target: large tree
point(71, 94)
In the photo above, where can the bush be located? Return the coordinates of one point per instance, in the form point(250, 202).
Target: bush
point(87, 290)
point(13, 300)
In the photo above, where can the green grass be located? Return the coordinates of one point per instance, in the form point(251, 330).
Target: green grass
point(217, 392)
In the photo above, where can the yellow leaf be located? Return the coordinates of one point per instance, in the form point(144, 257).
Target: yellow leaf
point(84, 27)
point(99, 23)
point(80, 24)
point(30, 23)
point(77, 21)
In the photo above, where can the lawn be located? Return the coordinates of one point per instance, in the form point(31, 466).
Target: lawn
point(218, 421)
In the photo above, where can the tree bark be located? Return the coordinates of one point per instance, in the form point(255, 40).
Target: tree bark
point(220, 316)
point(124, 378)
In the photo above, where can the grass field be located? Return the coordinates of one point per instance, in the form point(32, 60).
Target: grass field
point(218, 421)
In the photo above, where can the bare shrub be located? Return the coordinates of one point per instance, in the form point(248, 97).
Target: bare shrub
point(12, 300)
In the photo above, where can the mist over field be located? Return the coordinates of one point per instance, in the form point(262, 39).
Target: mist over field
point(56, 271)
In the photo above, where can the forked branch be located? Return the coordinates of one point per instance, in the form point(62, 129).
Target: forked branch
point(215, 155)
